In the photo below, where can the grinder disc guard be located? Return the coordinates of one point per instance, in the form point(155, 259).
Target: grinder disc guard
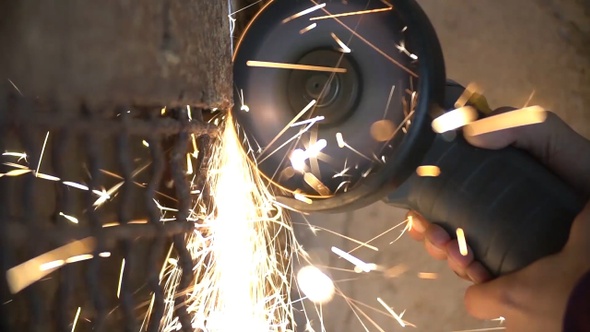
point(334, 101)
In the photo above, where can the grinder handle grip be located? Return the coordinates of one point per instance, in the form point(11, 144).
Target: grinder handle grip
point(513, 210)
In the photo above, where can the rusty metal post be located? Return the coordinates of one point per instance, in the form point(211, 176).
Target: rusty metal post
point(125, 52)
point(92, 77)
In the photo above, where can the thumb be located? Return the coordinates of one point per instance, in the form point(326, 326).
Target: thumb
point(489, 300)
point(552, 142)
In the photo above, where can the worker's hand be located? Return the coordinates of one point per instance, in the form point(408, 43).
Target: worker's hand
point(534, 298)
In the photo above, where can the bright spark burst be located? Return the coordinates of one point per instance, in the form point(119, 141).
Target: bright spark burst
point(241, 274)
point(299, 156)
point(300, 197)
point(315, 284)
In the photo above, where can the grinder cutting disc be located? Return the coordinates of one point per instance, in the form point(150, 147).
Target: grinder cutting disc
point(335, 99)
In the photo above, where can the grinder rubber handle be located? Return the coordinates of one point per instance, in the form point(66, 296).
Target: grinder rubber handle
point(513, 210)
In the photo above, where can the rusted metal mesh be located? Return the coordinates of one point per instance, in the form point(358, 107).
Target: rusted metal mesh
point(100, 149)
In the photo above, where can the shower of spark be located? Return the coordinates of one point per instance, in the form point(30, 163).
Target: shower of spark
point(243, 250)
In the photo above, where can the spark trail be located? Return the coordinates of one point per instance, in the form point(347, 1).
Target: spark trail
point(243, 250)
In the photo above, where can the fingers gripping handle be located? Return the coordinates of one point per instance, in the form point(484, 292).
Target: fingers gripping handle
point(512, 209)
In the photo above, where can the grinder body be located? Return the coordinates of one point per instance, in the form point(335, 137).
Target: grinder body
point(512, 209)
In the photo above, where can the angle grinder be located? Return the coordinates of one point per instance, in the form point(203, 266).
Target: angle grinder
point(335, 100)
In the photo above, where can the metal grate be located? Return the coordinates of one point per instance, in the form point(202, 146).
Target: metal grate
point(136, 150)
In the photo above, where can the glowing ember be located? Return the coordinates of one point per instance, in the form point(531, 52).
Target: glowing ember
point(121, 277)
point(428, 275)
point(382, 130)
point(16, 172)
point(462, 243)
point(76, 319)
point(454, 119)
point(397, 317)
point(75, 185)
point(300, 197)
point(517, 118)
point(315, 284)
point(36, 268)
point(20, 155)
point(340, 140)
point(298, 157)
point(360, 12)
point(428, 170)
point(51, 265)
point(307, 28)
point(316, 184)
point(70, 218)
point(304, 12)
point(79, 258)
point(343, 47)
point(47, 177)
point(42, 151)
